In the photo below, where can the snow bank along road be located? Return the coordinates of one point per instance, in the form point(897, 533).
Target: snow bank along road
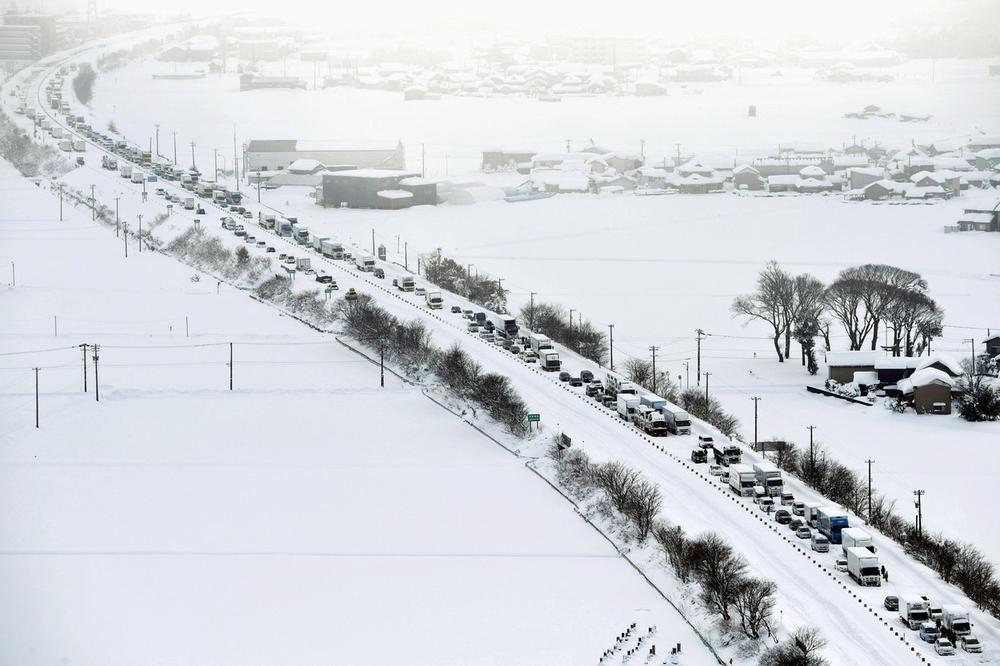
point(810, 591)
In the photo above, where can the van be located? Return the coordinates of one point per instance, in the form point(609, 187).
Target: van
point(799, 508)
point(820, 543)
point(787, 498)
point(929, 632)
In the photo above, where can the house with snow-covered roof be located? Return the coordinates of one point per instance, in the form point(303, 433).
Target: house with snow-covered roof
point(745, 177)
point(860, 177)
point(841, 365)
point(988, 158)
point(928, 391)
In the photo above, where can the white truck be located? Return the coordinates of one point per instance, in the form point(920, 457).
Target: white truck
point(913, 611)
point(809, 512)
point(125, 170)
point(79, 145)
point(434, 300)
point(364, 263)
point(652, 401)
point(549, 360)
point(615, 385)
point(66, 145)
point(303, 263)
point(539, 342)
point(650, 420)
point(955, 622)
point(406, 284)
point(742, 480)
point(863, 567)
point(317, 242)
point(189, 203)
point(331, 250)
point(855, 537)
point(769, 476)
point(138, 177)
point(628, 406)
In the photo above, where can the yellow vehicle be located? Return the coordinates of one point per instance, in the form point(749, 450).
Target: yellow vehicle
point(351, 295)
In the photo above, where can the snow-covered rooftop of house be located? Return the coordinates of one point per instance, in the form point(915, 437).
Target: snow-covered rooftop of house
point(377, 173)
point(812, 171)
point(898, 362)
point(976, 218)
point(956, 163)
point(745, 168)
point(924, 377)
point(783, 179)
point(923, 192)
point(395, 194)
point(838, 359)
point(844, 161)
point(947, 361)
point(868, 171)
point(414, 181)
point(305, 165)
point(813, 183)
point(567, 157)
point(988, 153)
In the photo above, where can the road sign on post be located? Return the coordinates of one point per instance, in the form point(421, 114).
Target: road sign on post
point(534, 418)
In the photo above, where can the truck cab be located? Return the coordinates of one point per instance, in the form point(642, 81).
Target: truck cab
point(434, 300)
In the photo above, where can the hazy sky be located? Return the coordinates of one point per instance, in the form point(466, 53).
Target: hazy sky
point(844, 20)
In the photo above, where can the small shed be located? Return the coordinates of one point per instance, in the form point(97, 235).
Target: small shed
point(928, 391)
point(394, 199)
point(841, 365)
point(745, 177)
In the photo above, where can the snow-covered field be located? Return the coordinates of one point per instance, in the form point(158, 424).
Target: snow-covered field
point(609, 263)
point(300, 518)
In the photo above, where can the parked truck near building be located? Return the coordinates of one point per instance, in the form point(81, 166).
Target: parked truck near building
point(955, 622)
point(742, 480)
point(855, 537)
point(728, 455)
point(863, 566)
point(769, 476)
point(628, 405)
point(830, 521)
point(913, 611)
point(549, 361)
point(434, 300)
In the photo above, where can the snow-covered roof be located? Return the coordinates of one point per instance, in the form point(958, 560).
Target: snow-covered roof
point(923, 192)
point(783, 179)
point(924, 377)
point(376, 173)
point(839, 359)
point(812, 171)
point(745, 168)
point(866, 378)
point(898, 363)
point(305, 165)
point(395, 194)
point(813, 183)
point(868, 171)
point(976, 218)
point(988, 153)
point(947, 361)
point(414, 181)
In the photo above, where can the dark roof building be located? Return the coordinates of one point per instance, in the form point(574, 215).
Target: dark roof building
point(377, 188)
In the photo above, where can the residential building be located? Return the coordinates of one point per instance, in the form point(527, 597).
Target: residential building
point(981, 218)
point(928, 391)
point(992, 346)
point(274, 154)
point(745, 177)
point(376, 188)
point(841, 365)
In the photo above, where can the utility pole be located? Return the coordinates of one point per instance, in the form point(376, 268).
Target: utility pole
point(920, 511)
point(678, 147)
point(187, 329)
point(423, 161)
point(215, 174)
point(571, 311)
point(236, 171)
point(84, 348)
point(373, 242)
point(567, 146)
point(687, 373)
point(406, 255)
point(869, 490)
point(157, 139)
point(117, 222)
point(611, 345)
point(13, 275)
point(97, 386)
point(381, 365)
point(706, 385)
point(642, 149)
point(755, 401)
point(60, 202)
point(139, 238)
point(812, 451)
point(531, 309)
point(972, 343)
point(701, 334)
point(175, 148)
point(125, 237)
point(230, 366)
point(55, 326)
point(654, 349)
point(36, 396)
point(93, 204)
point(194, 167)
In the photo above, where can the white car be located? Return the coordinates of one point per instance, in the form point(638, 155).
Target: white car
point(420, 291)
point(971, 644)
point(943, 646)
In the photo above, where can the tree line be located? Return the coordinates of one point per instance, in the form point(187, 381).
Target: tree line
point(479, 288)
point(582, 337)
point(958, 563)
point(726, 588)
point(862, 299)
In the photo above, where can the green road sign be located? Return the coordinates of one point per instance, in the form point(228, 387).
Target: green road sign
point(534, 418)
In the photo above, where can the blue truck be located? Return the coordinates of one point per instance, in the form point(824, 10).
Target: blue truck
point(830, 520)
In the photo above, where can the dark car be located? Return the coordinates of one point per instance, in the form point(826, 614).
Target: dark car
point(891, 603)
point(270, 248)
point(455, 309)
point(782, 517)
point(564, 376)
point(586, 375)
point(379, 273)
point(575, 381)
point(699, 456)
point(609, 401)
point(593, 389)
point(324, 279)
point(795, 524)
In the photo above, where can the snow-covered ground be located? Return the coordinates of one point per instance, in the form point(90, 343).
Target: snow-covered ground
point(300, 518)
point(858, 633)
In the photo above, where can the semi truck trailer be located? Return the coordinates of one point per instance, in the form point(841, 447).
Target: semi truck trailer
point(863, 566)
point(742, 480)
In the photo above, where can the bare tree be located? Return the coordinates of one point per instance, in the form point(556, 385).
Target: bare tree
point(720, 572)
point(775, 290)
point(618, 481)
point(680, 550)
point(754, 604)
point(644, 503)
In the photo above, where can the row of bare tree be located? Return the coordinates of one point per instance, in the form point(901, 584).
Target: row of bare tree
point(726, 588)
point(958, 563)
point(479, 288)
point(582, 336)
point(861, 299)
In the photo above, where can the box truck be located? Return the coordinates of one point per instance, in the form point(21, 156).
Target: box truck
point(742, 480)
point(955, 622)
point(434, 300)
point(678, 420)
point(913, 611)
point(854, 537)
point(549, 361)
point(627, 405)
point(769, 476)
point(830, 521)
point(863, 567)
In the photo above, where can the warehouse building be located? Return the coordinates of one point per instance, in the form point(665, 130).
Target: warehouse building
point(20, 42)
point(48, 36)
point(273, 155)
point(377, 188)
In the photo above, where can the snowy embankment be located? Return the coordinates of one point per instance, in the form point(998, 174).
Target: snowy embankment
point(856, 635)
point(298, 518)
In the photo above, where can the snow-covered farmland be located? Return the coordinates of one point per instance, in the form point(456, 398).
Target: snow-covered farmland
point(308, 516)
